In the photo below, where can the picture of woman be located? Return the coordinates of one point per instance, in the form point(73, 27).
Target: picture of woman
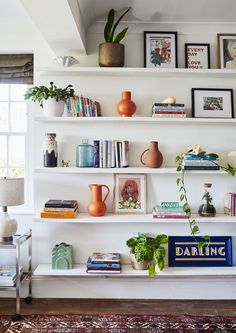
point(129, 195)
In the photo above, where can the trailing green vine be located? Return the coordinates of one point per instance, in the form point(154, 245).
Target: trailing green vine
point(195, 150)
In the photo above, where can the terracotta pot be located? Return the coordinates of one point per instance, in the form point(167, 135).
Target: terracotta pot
point(141, 265)
point(97, 206)
point(111, 55)
point(126, 107)
point(153, 157)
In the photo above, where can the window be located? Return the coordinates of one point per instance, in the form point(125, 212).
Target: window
point(13, 129)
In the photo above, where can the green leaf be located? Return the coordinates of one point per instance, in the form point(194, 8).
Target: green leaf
point(182, 196)
point(200, 245)
point(195, 230)
point(152, 271)
point(108, 26)
point(120, 36)
point(206, 238)
point(178, 158)
point(213, 155)
point(178, 181)
point(178, 168)
point(116, 24)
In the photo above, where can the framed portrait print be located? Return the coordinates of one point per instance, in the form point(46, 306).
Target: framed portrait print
point(130, 193)
point(227, 50)
point(160, 49)
point(197, 56)
point(212, 103)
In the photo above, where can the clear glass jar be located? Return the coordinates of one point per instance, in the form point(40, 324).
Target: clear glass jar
point(207, 208)
point(84, 155)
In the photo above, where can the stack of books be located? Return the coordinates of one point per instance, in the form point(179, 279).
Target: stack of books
point(169, 210)
point(104, 263)
point(111, 154)
point(230, 204)
point(200, 162)
point(60, 209)
point(166, 110)
point(7, 275)
point(80, 106)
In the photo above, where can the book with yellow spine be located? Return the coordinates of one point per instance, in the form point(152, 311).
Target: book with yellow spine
point(59, 215)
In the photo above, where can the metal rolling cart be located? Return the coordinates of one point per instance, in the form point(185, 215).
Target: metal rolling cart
point(16, 244)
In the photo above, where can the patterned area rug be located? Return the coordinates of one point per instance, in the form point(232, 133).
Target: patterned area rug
point(117, 324)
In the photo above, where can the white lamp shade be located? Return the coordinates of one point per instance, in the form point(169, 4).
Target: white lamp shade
point(11, 191)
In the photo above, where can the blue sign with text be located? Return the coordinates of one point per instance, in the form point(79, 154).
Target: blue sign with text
point(183, 251)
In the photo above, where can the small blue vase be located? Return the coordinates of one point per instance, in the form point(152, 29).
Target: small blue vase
point(84, 155)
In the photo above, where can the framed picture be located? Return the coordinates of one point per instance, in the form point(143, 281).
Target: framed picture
point(197, 56)
point(212, 103)
point(227, 50)
point(183, 251)
point(160, 49)
point(130, 193)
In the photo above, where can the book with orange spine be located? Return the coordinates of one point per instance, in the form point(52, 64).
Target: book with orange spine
point(59, 215)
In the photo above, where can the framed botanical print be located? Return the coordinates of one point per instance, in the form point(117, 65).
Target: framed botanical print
point(227, 50)
point(197, 56)
point(130, 193)
point(160, 49)
point(212, 103)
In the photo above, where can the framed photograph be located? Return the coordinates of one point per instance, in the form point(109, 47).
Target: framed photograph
point(160, 49)
point(212, 103)
point(130, 193)
point(183, 251)
point(227, 50)
point(197, 56)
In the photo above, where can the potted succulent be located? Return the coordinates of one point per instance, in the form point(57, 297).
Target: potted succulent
point(51, 99)
point(147, 252)
point(111, 53)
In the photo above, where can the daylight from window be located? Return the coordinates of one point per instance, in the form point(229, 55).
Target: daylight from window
point(13, 123)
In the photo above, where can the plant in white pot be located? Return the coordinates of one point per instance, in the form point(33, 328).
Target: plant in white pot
point(111, 53)
point(51, 99)
point(147, 252)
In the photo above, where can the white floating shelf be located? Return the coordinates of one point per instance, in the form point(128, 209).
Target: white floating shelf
point(132, 170)
point(138, 71)
point(45, 270)
point(135, 218)
point(135, 120)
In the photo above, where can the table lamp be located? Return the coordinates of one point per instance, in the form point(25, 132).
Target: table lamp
point(11, 194)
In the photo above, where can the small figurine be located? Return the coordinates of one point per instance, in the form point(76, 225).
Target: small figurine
point(169, 100)
point(65, 164)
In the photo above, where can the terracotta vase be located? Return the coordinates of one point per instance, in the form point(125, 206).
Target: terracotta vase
point(97, 206)
point(126, 107)
point(152, 157)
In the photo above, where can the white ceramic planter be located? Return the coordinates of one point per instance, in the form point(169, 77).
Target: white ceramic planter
point(232, 158)
point(52, 108)
point(142, 265)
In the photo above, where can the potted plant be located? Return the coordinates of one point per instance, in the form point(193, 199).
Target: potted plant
point(51, 99)
point(147, 252)
point(111, 53)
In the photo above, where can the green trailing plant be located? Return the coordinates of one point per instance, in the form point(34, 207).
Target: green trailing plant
point(149, 249)
point(111, 25)
point(195, 150)
point(41, 93)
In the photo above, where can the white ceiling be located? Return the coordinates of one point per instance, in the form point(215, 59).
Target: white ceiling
point(63, 23)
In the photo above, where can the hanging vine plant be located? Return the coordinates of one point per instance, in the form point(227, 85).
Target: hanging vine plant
point(197, 151)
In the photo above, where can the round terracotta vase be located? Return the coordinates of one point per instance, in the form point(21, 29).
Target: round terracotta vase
point(152, 157)
point(126, 107)
point(111, 55)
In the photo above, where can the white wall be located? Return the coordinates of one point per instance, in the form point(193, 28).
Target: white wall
point(172, 140)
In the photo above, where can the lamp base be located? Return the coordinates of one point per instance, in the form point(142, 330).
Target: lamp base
point(6, 239)
point(8, 227)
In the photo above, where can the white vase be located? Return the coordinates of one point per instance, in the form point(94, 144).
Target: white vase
point(232, 158)
point(52, 108)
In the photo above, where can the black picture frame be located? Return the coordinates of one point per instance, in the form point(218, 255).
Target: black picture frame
point(212, 103)
point(198, 52)
point(167, 57)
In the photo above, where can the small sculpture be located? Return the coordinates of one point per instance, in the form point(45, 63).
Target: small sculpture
point(65, 164)
point(169, 100)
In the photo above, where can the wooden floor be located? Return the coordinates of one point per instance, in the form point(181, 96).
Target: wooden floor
point(102, 306)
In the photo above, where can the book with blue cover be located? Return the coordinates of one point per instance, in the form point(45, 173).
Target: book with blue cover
point(105, 257)
point(103, 265)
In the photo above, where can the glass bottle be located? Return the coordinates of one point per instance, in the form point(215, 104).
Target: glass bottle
point(50, 152)
point(207, 209)
point(84, 154)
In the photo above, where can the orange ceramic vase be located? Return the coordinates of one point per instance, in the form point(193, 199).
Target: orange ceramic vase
point(152, 157)
point(97, 206)
point(126, 107)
